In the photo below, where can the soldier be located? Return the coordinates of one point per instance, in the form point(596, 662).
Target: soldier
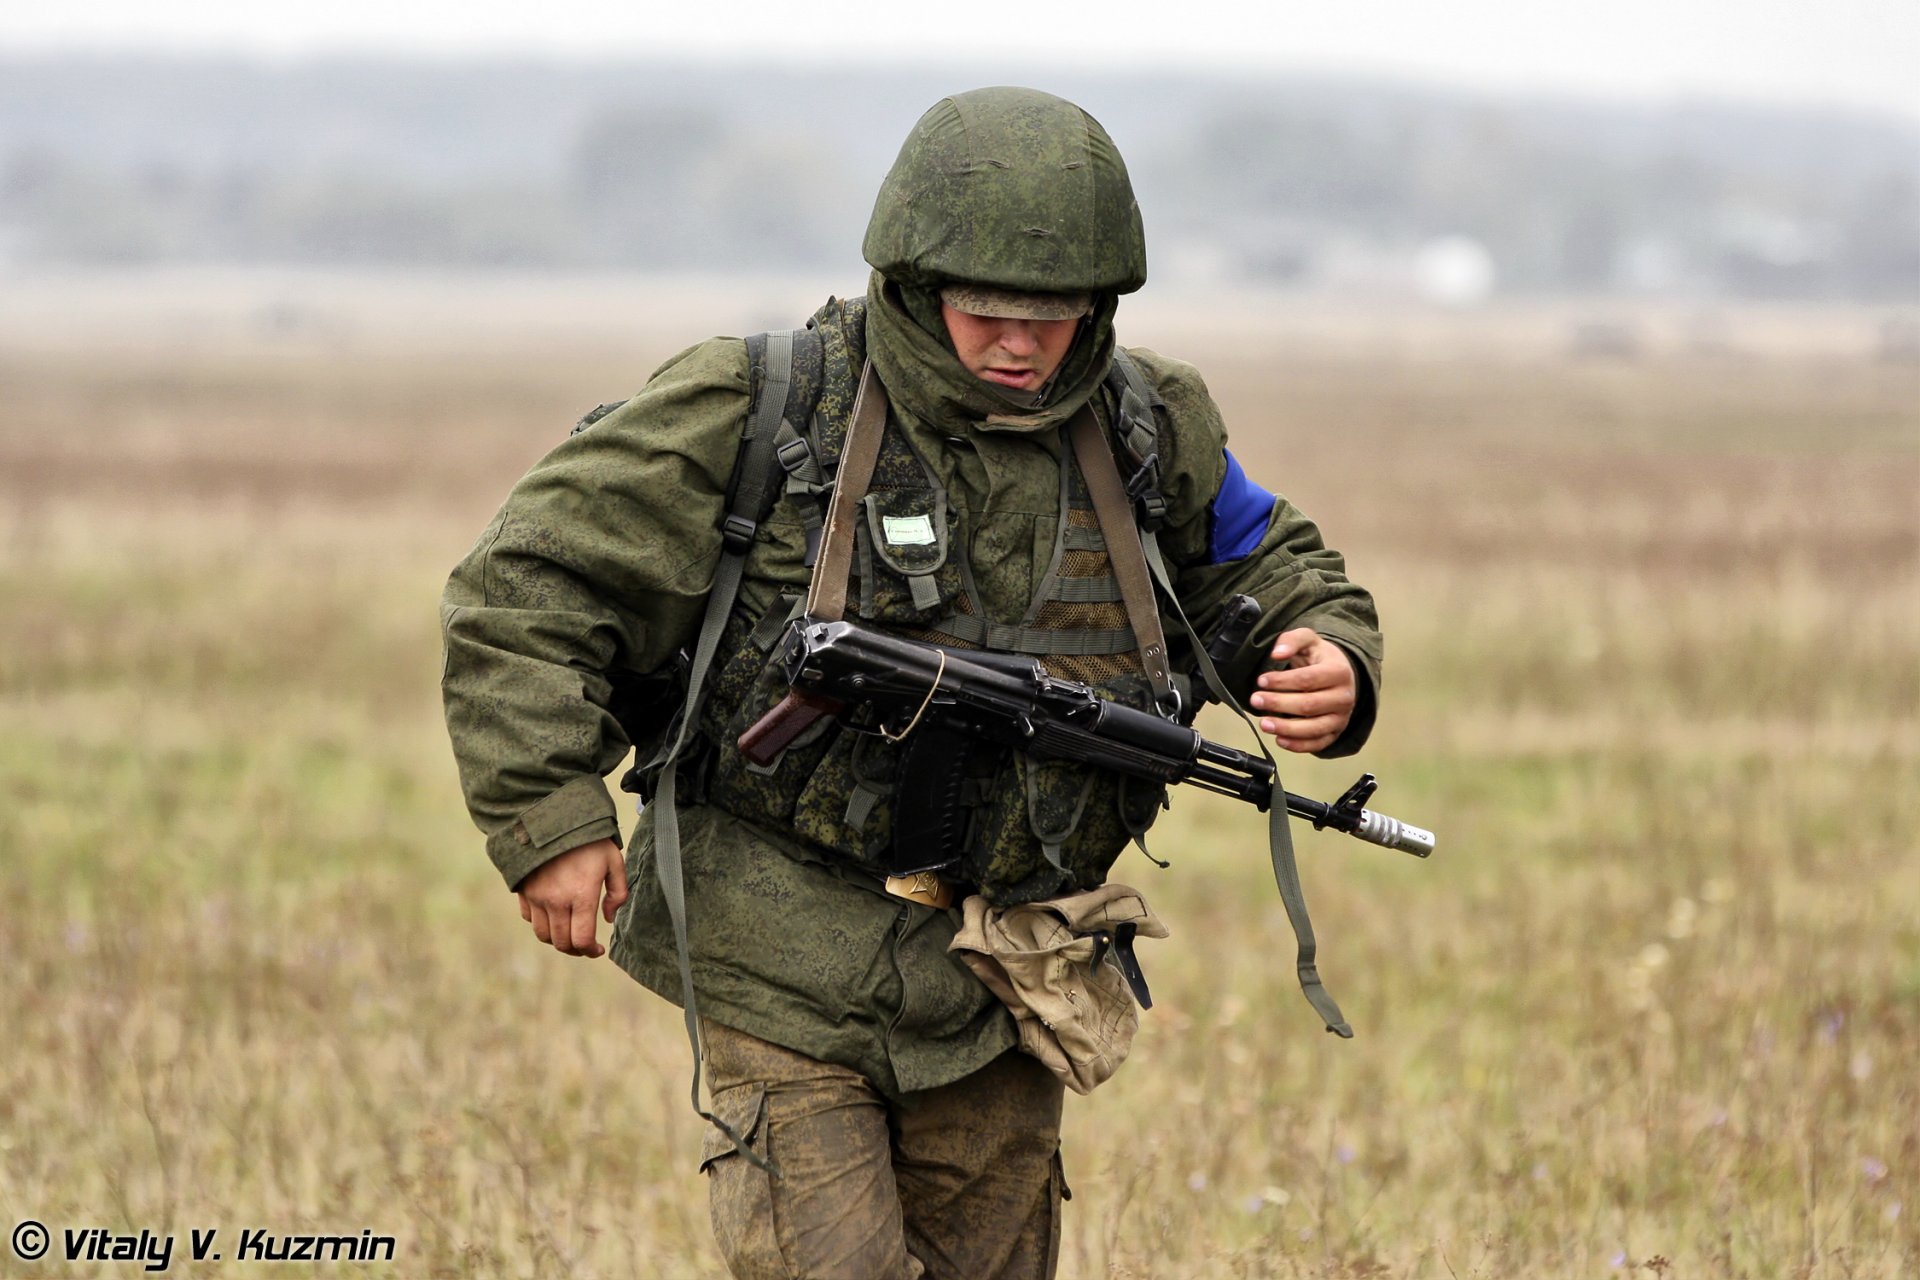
point(846, 1047)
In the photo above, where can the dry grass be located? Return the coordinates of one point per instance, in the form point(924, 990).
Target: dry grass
point(1654, 675)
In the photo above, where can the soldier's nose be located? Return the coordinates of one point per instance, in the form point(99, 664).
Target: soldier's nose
point(1018, 338)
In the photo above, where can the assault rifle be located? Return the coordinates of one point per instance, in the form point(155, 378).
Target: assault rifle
point(902, 687)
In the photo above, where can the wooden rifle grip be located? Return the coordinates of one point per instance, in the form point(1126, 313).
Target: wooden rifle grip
point(775, 731)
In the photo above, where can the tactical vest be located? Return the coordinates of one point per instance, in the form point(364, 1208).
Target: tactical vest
point(1033, 829)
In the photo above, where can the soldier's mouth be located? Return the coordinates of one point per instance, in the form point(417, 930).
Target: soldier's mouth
point(1018, 379)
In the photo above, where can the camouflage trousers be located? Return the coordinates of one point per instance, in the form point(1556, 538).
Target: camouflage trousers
point(963, 1184)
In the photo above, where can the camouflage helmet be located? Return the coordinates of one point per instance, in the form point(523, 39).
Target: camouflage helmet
point(1011, 188)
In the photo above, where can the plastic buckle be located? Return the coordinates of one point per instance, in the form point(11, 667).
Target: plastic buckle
point(793, 455)
point(1150, 507)
point(1147, 477)
point(736, 533)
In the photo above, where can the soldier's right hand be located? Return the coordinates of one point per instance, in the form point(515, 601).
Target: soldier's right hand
point(559, 897)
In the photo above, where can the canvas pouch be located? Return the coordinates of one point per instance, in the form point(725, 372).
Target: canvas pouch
point(1048, 964)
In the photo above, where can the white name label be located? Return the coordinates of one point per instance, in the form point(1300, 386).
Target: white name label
point(908, 531)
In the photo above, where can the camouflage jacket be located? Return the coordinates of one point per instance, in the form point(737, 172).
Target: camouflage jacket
point(599, 563)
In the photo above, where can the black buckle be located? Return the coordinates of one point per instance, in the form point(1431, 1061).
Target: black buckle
point(736, 533)
point(1143, 489)
point(1148, 476)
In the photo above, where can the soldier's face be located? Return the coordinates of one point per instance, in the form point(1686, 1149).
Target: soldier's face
point(1014, 353)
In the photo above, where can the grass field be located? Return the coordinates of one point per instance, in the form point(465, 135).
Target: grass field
point(1653, 677)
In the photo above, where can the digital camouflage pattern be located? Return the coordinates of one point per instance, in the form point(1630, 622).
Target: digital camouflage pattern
point(965, 1182)
point(1039, 828)
point(589, 573)
point(1013, 188)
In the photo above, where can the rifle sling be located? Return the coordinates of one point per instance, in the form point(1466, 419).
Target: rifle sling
point(1133, 555)
point(1286, 867)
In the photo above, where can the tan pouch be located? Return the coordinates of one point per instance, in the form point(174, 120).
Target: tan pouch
point(1047, 964)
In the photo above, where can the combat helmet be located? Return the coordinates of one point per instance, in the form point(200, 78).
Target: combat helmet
point(1012, 188)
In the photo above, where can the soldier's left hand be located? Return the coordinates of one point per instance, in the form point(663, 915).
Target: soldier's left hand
point(1306, 707)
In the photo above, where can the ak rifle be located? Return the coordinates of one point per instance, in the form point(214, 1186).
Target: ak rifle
point(883, 683)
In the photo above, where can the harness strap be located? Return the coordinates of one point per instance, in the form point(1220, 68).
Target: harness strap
point(1101, 589)
point(1115, 513)
point(1038, 641)
point(753, 475)
point(1080, 538)
point(859, 453)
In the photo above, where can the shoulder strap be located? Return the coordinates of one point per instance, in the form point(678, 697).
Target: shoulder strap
point(827, 593)
point(1125, 554)
point(1137, 429)
point(752, 490)
point(755, 488)
point(795, 445)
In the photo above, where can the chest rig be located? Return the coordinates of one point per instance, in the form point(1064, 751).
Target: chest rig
point(1029, 829)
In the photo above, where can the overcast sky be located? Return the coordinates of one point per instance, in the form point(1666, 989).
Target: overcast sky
point(1845, 52)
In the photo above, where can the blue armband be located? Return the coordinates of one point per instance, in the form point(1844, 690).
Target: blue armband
point(1241, 512)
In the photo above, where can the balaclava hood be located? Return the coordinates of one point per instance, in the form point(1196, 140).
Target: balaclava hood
point(908, 343)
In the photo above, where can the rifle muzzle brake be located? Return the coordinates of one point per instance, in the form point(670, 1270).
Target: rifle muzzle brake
point(1391, 833)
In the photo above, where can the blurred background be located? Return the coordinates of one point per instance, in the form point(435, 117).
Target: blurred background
point(1591, 335)
point(449, 144)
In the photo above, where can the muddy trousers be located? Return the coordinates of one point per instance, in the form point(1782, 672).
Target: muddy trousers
point(963, 1184)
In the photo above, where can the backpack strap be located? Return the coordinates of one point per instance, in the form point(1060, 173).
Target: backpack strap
point(753, 491)
point(1136, 428)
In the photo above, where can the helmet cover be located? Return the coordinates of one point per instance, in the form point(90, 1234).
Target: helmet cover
point(1011, 188)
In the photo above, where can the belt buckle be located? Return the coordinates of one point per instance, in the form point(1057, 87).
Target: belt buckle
point(923, 887)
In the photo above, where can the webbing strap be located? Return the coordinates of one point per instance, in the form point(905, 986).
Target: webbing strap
point(925, 590)
point(1115, 512)
point(806, 484)
point(753, 475)
point(1102, 588)
point(1286, 868)
point(1139, 432)
point(859, 453)
point(752, 495)
point(1138, 425)
point(977, 631)
point(1081, 538)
